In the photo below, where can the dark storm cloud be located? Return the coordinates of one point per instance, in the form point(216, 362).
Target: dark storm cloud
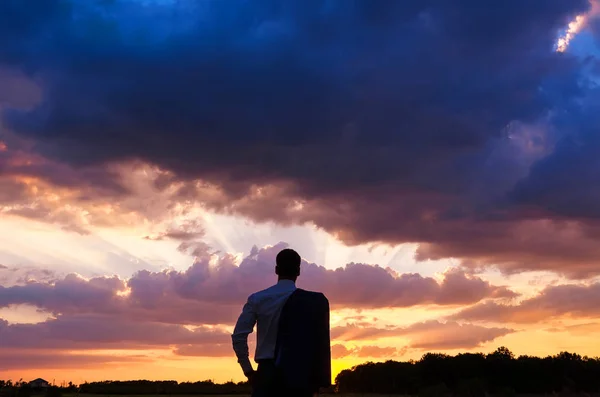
point(566, 183)
point(390, 121)
point(170, 83)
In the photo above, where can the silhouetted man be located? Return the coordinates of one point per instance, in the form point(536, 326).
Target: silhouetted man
point(293, 346)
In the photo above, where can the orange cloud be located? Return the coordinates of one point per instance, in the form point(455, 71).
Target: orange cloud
point(341, 351)
point(570, 300)
point(90, 332)
point(426, 335)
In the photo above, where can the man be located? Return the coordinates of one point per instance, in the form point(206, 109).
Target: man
point(293, 345)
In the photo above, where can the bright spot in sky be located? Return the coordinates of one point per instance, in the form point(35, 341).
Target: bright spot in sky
point(577, 25)
point(574, 27)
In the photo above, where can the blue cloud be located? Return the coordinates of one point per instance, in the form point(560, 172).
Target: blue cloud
point(566, 183)
point(124, 78)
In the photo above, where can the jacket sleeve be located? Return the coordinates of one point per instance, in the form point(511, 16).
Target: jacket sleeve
point(324, 345)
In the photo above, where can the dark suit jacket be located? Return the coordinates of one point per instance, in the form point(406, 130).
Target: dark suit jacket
point(303, 353)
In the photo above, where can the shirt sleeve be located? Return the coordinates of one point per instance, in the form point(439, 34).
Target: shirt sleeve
point(244, 327)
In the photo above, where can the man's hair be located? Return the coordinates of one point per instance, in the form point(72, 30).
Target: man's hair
point(288, 263)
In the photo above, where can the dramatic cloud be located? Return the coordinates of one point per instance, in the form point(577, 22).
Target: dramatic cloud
point(76, 198)
point(213, 291)
point(148, 310)
point(574, 300)
point(92, 332)
point(429, 335)
point(450, 124)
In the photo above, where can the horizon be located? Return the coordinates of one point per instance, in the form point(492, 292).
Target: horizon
point(435, 165)
point(65, 383)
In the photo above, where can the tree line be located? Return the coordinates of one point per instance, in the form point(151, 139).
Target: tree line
point(132, 387)
point(475, 374)
point(435, 374)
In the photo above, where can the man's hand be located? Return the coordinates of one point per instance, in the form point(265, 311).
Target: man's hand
point(250, 375)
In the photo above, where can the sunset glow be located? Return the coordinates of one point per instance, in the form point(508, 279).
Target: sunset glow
point(436, 169)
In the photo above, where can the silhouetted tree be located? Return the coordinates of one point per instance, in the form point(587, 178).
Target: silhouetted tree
point(474, 375)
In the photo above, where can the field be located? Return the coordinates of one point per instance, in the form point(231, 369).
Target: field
point(227, 395)
point(231, 395)
point(563, 394)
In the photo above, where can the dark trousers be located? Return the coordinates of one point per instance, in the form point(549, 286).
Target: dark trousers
point(267, 383)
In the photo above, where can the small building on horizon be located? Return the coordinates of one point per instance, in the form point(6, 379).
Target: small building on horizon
point(39, 383)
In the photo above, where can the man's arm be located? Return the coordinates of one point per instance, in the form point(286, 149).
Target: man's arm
point(244, 327)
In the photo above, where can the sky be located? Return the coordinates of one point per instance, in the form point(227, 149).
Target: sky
point(436, 164)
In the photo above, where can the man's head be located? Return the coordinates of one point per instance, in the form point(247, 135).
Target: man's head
point(288, 264)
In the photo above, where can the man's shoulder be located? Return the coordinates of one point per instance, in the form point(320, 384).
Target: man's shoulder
point(262, 293)
point(313, 295)
point(309, 292)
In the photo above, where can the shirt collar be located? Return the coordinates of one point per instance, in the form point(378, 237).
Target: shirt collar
point(286, 283)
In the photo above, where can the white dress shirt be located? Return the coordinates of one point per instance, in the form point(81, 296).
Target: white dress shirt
point(262, 308)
